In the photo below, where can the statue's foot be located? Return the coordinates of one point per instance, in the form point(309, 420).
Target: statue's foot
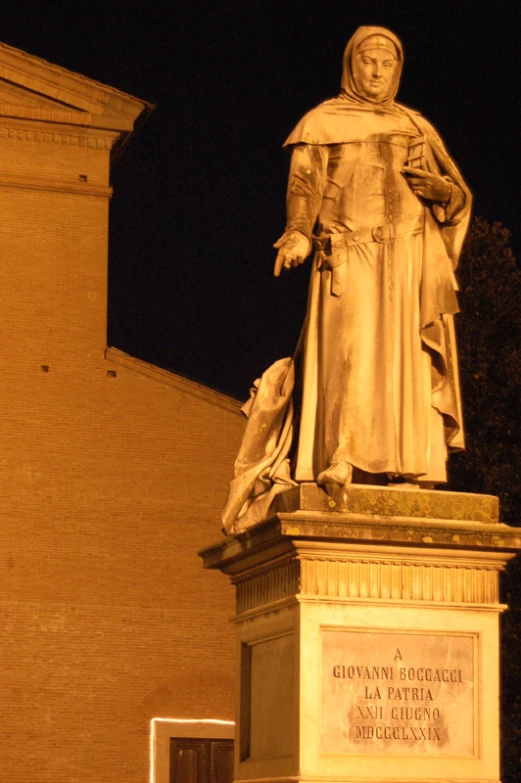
point(338, 474)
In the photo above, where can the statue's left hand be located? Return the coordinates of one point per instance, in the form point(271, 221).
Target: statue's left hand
point(293, 249)
point(427, 185)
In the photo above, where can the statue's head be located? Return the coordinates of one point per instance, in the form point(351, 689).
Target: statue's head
point(373, 62)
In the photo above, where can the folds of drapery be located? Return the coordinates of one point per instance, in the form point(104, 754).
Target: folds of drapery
point(262, 467)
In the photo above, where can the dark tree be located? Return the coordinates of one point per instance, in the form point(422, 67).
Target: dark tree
point(489, 339)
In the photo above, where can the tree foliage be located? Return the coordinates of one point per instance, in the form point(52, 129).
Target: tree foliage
point(489, 340)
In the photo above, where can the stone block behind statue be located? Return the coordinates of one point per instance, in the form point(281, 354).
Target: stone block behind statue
point(372, 393)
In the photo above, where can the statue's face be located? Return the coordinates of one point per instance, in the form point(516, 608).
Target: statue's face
point(373, 71)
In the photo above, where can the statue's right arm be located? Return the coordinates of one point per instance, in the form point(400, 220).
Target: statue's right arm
point(304, 198)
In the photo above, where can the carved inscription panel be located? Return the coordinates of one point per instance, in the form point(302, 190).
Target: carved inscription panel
point(398, 693)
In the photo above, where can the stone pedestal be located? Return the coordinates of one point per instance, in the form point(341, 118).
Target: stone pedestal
point(367, 637)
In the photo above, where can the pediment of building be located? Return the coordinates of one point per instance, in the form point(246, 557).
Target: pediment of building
point(33, 89)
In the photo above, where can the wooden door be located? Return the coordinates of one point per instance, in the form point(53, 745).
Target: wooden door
point(201, 761)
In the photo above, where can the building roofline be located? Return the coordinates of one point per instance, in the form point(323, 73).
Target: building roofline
point(92, 99)
point(158, 374)
point(79, 78)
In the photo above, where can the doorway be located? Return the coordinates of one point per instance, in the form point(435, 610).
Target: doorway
point(201, 760)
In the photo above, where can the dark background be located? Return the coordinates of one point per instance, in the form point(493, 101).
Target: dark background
point(199, 194)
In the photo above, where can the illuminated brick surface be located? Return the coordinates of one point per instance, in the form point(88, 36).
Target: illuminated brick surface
point(109, 484)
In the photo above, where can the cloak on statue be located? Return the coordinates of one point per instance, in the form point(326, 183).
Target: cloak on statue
point(377, 363)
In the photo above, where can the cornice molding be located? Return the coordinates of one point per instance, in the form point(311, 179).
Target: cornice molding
point(34, 90)
point(18, 133)
point(64, 116)
point(66, 87)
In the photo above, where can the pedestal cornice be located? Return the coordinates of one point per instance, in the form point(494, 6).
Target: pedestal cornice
point(384, 545)
point(370, 517)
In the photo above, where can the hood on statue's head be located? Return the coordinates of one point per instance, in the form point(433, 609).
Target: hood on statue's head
point(329, 122)
point(381, 39)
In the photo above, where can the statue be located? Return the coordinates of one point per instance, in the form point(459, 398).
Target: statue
point(372, 393)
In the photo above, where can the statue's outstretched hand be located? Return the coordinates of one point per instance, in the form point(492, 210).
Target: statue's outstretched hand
point(427, 185)
point(293, 248)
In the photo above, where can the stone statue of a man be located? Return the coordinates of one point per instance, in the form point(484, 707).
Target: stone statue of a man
point(373, 190)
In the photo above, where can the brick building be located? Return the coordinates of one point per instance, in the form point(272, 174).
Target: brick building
point(112, 471)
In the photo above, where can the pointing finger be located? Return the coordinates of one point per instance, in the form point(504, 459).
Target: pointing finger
point(279, 263)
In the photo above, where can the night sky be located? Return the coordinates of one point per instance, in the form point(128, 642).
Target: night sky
point(199, 194)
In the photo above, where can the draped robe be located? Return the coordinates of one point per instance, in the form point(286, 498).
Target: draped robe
point(376, 366)
point(380, 387)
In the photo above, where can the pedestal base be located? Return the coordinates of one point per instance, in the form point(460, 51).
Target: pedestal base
point(367, 637)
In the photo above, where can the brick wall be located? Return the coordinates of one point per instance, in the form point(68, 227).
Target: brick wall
point(112, 475)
